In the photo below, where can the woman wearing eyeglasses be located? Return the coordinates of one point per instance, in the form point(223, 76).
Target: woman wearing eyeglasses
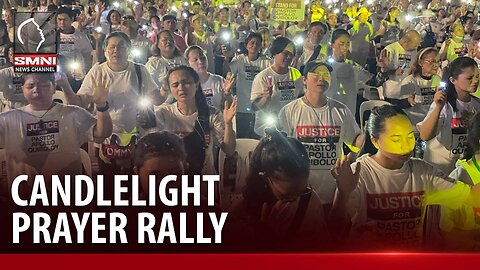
point(279, 210)
point(418, 89)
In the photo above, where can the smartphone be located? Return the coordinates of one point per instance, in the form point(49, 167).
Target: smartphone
point(58, 76)
point(443, 86)
point(269, 81)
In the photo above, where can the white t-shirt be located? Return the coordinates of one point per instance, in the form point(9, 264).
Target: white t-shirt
point(450, 143)
point(158, 66)
point(399, 58)
point(323, 132)
point(123, 93)
point(245, 71)
point(424, 90)
point(307, 53)
point(169, 118)
point(392, 203)
point(73, 47)
point(45, 142)
point(213, 91)
point(286, 87)
point(11, 86)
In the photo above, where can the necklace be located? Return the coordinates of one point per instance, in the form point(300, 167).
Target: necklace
point(43, 115)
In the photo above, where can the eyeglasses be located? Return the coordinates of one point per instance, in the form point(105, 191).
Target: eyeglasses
point(128, 17)
point(118, 47)
point(431, 62)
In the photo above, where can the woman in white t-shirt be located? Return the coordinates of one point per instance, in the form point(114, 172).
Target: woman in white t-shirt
point(168, 57)
point(192, 119)
point(275, 86)
point(384, 195)
point(419, 88)
point(244, 68)
point(215, 88)
point(445, 126)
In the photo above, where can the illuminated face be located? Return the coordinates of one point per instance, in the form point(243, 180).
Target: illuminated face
point(37, 90)
point(199, 25)
point(430, 63)
point(287, 188)
point(315, 35)
point(363, 17)
point(116, 51)
point(115, 18)
point(394, 14)
point(223, 17)
point(160, 166)
point(262, 14)
point(198, 61)
point(458, 30)
point(170, 25)
point(397, 140)
point(166, 43)
point(64, 22)
point(332, 20)
point(254, 45)
point(182, 86)
point(340, 47)
point(285, 58)
point(467, 81)
point(318, 80)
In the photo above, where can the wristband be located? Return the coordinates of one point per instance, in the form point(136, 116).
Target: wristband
point(104, 109)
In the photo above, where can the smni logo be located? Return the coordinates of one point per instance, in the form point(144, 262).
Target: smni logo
point(40, 31)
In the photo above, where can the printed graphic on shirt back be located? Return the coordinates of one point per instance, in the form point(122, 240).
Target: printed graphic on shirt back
point(67, 45)
point(397, 217)
point(251, 72)
point(459, 137)
point(427, 95)
point(321, 143)
point(209, 96)
point(42, 136)
point(404, 60)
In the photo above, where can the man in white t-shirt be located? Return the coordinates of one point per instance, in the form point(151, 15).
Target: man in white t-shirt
point(401, 55)
point(312, 48)
point(323, 125)
point(75, 49)
point(122, 78)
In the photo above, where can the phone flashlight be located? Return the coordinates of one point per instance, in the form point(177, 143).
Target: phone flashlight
point(443, 86)
point(144, 103)
point(270, 120)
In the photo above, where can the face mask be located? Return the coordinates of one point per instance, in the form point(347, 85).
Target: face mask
point(459, 39)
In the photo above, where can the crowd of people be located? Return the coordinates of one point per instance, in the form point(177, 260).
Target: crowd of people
point(366, 113)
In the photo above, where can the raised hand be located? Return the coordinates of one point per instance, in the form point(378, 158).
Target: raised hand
point(440, 97)
point(342, 172)
point(228, 83)
point(100, 91)
point(229, 111)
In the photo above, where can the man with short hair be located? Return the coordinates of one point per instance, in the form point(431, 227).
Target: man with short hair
point(75, 49)
point(312, 47)
point(169, 22)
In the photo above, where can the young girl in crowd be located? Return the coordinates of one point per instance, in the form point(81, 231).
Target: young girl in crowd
point(275, 86)
point(279, 210)
point(215, 88)
point(444, 127)
point(167, 57)
point(244, 68)
point(461, 227)
point(199, 125)
point(386, 194)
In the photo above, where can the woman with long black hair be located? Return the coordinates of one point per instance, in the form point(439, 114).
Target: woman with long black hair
point(192, 119)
